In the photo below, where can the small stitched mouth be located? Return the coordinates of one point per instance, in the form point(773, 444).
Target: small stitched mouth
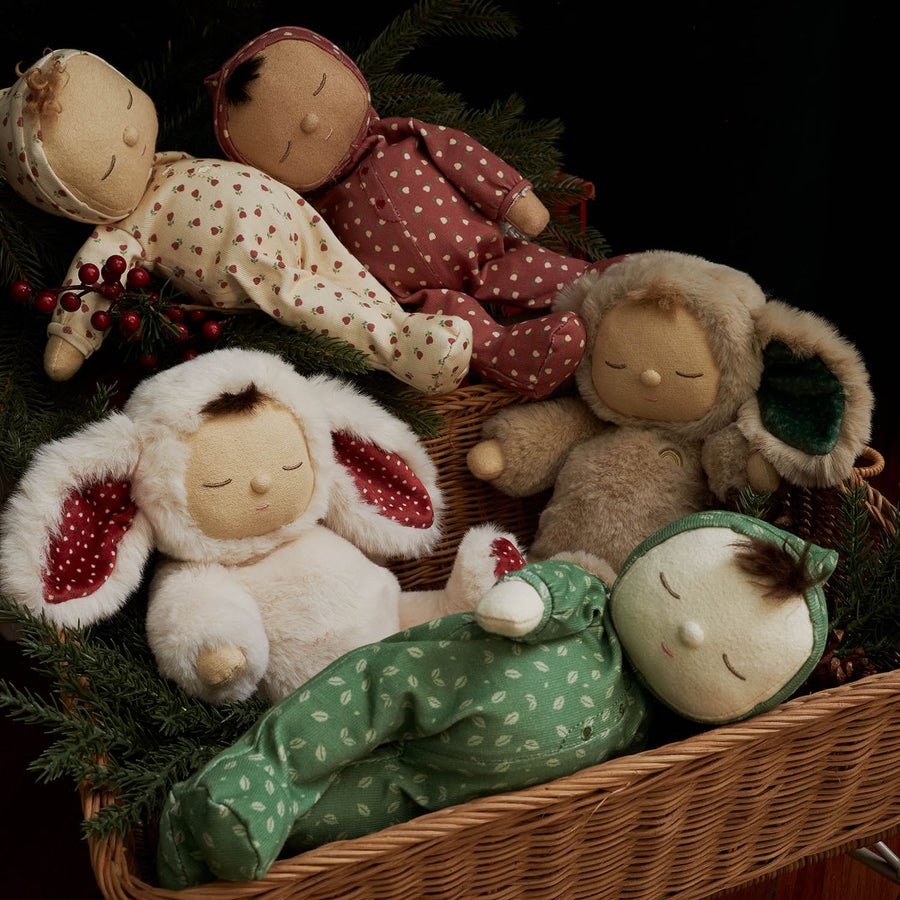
point(666, 650)
point(261, 508)
point(330, 133)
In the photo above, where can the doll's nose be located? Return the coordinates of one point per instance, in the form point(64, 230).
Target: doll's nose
point(691, 635)
point(650, 378)
point(309, 123)
point(261, 483)
point(130, 135)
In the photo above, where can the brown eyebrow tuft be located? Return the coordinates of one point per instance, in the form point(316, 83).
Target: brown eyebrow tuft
point(242, 401)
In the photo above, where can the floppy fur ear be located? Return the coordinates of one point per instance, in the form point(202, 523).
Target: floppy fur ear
point(385, 497)
point(811, 416)
point(73, 545)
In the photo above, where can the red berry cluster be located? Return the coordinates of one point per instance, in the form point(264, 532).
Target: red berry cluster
point(141, 314)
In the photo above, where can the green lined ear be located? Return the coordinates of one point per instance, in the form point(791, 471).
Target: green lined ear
point(801, 401)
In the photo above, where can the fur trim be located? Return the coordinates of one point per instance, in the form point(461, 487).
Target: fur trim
point(105, 450)
point(721, 298)
point(809, 336)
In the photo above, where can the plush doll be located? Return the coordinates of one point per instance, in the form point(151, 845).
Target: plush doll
point(691, 387)
point(271, 499)
point(722, 615)
point(426, 208)
point(77, 139)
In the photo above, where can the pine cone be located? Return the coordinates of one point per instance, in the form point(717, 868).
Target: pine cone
point(833, 670)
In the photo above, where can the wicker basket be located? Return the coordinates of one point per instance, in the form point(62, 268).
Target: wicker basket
point(812, 778)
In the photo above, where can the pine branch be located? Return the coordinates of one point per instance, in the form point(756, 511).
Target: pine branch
point(430, 18)
point(117, 725)
point(868, 574)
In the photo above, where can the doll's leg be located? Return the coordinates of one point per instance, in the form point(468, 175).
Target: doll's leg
point(484, 555)
point(526, 276)
point(427, 351)
point(533, 357)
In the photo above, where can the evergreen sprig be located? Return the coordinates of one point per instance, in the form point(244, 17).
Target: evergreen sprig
point(867, 576)
point(431, 18)
point(116, 724)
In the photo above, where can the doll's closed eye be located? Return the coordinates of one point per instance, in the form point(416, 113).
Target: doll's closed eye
point(130, 99)
point(286, 153)
point(666, 585)
point(215, 484)
point(292, 468)
point(112, 165)
point(689, 374)
point(318, 90)
point(616, 365)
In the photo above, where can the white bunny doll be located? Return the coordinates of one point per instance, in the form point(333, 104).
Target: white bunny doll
point(267, 494)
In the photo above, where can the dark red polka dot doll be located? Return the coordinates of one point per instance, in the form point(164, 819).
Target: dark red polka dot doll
point(268, 495)
point(426, 208)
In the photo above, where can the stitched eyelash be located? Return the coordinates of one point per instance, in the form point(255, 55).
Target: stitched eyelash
point(216, 484)
point(689, 375)
point(321, 85)
point(292, 468)
point(616, 365)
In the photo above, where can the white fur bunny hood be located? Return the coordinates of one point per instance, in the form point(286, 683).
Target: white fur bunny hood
point(91, 507)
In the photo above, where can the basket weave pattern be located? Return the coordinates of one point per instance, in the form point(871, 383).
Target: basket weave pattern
point(811, 778)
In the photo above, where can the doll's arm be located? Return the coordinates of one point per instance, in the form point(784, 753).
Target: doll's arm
point(206, 632)
point(71, 337)
point(543, 602)
point(524, 446)
point(492, 184)
point(730, 464)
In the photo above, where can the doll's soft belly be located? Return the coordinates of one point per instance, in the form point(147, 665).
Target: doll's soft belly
point(319, 597)
point(616, 490)
point(413, 232)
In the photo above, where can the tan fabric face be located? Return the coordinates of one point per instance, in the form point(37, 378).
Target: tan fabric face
point(101, 143)
point(248, 473)
point(654, 363)
point(305, 112)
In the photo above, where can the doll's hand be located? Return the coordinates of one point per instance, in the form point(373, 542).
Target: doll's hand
point(61, 359)
point(528, 215)
point(219, 667)
point(511, 608)
point(486, 461)
point(761, 474)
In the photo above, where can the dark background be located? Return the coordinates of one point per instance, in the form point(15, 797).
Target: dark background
point(754, 134)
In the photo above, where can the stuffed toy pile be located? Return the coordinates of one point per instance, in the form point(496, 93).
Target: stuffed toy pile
point(425, 207)
point(77, 139)
point(272, 504)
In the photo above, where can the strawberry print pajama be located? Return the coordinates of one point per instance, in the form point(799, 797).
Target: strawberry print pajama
point(230, 236)
point(427, 718)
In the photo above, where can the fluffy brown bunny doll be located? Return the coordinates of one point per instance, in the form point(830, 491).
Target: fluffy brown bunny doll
point(692, 386)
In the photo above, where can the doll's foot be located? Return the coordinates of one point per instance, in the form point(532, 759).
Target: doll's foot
point(533, 357)
point(485, 554)
point(431, 352)
point(511, 608)
point(61, 359)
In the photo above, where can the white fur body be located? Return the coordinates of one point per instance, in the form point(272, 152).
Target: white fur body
point(272, 609)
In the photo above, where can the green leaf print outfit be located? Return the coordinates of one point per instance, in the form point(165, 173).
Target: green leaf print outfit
point(430, 717)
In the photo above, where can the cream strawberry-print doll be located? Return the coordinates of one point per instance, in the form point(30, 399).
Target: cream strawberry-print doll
point(77, 139)
point(426, 208)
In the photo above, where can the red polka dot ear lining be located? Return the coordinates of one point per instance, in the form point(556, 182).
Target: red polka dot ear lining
point(82, 552)
point(385, 482)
